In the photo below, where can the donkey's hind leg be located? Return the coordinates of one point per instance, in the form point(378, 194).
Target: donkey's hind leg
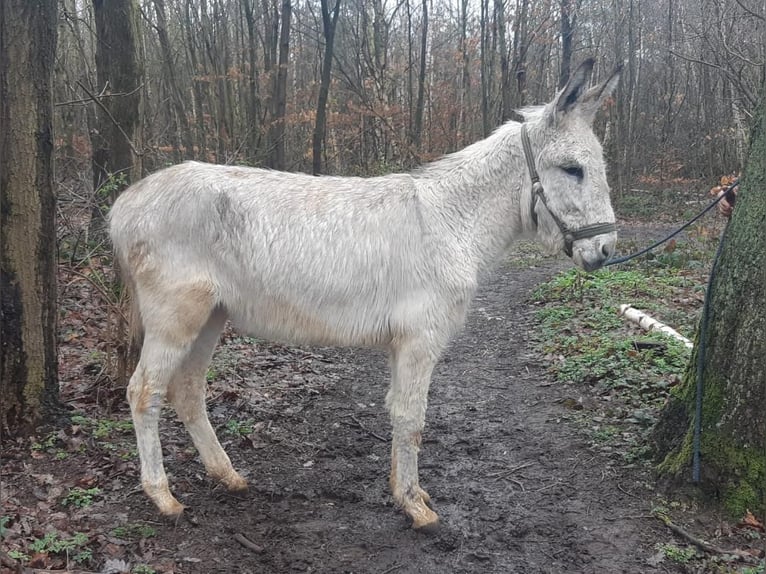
point(411, 366)
point(172, 320)
point(187, 395)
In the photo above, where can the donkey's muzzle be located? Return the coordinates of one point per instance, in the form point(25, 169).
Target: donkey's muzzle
point(584, 233)
point(594, 254)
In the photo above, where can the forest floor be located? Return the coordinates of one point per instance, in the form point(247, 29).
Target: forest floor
point(517, 483)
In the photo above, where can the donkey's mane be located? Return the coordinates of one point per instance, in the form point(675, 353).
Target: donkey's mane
point(458, 159)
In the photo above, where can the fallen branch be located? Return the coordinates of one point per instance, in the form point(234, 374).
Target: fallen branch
point(701, 544)
point(648, 323)
point(247, 543)
point(359, 424)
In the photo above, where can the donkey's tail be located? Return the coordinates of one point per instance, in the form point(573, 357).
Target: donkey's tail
point(135, 321)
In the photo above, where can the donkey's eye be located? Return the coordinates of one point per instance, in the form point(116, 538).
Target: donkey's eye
point(573, 170)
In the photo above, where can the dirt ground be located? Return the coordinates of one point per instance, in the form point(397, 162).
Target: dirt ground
point(516, 485)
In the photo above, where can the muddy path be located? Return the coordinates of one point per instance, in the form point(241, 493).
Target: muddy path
point(515, 483)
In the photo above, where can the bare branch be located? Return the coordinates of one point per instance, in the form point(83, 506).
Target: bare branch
point(111, 117)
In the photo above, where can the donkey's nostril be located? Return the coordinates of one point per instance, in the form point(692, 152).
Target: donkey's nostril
point(607, 250)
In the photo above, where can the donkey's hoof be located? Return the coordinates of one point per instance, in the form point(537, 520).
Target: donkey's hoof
point(165, 502)
point(423, 518)
point(170, 508)
point(234, 483)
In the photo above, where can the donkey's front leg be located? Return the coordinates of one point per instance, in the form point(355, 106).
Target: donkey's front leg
point(411, 368)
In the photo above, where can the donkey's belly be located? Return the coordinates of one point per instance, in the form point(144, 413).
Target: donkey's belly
point(341, 324)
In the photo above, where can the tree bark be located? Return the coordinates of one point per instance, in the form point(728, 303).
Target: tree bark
point(28, 369)
point(567, 28)
point(329, 22)
point(119, 71)
point(278, 160)
point(506, 106)
point(176, 97)
point(417, 129)
point(733, 440)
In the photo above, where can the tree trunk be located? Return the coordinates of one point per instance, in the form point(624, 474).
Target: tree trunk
point(733, 440)
point(567, 27)
point(506, 106)
point(278, 160)
point(254, 98)
point(117, 138)
point(417, 130)
point(329, 21)
point(520, 47)
point(176, 97)
point(28, 369)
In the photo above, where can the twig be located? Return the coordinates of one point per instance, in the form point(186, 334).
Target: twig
point(101, 290)
point(626, 492)
point(111, 117)
point(392, 568)
point(101, 95)
point(701, 544)
point(547, 486)
point(368, 431)
point(509, 472)
point(247, 543)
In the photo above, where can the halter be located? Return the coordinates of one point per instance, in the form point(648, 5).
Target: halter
point(570, 235)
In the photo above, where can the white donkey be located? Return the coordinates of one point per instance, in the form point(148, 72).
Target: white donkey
point(389, 262)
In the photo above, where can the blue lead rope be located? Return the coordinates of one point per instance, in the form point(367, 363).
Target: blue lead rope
point(701, 343)
point(672, 235)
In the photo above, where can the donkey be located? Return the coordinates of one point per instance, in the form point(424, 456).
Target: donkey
point(390, 262)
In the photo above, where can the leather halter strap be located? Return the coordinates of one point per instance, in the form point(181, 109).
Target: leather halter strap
point(570, 235)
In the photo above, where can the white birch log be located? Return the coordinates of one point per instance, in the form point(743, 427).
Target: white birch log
point(647, 323)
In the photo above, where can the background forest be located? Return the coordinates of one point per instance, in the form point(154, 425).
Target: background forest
point(241, 81)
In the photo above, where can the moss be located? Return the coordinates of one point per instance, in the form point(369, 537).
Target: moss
point(732, 471)
point(676, 461)
point(742, 482)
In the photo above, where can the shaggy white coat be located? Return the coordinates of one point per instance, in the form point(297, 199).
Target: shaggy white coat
point(389, 261)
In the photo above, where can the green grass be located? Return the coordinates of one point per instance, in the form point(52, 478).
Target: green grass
point(589, 346)
point(134, 531)
point(80, 497)
point(588, 340)
point(74, 547)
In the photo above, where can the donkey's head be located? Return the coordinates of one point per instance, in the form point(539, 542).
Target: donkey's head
point(570, 200)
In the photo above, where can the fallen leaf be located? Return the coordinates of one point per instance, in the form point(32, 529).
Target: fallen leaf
point(750, 521)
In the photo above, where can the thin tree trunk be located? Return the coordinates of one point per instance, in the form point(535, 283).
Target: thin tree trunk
point(176, 98)
point(28, 368)
point(254, 101)
point(417, 130)
point(197, 92)
point(506, 96)
point(280, 90)
point(329, 22)
point(115, 163)
point(567, 28)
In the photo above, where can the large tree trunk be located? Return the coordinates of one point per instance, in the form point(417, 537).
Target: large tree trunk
point(733, 440)
point(119, 70)
point(28, 374)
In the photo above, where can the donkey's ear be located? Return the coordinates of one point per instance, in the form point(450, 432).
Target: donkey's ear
point(569, 97)
point(593, 99)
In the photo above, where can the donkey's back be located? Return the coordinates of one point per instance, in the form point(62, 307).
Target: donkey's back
point(288, 256)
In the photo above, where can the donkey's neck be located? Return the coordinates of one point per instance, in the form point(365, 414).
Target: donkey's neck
point(480, 192)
